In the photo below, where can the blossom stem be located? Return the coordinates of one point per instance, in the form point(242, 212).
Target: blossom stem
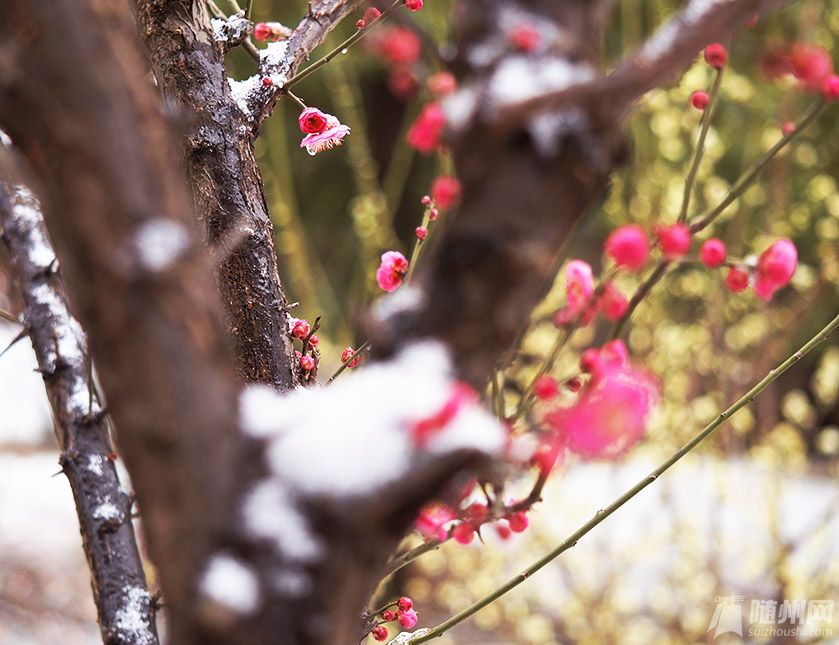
point(5, 315)
point(346, 44)
point(603, 513)
point(703, 221)
point(700, 145)
point(642, 292)
point(346, 363)
point(296, 98)
point(527, 400)
point(418, 244)
point(745, 180)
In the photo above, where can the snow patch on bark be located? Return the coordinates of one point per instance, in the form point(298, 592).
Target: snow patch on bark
point(231, 584)
point(160, 242)
point(353, 439)
point(132, 619)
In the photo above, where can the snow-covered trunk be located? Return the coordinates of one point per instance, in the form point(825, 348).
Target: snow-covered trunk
point(123, 603)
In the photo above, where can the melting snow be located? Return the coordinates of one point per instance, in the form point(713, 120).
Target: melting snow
point(160, 242)
point(132, 619)
point(351, 439)
point(94, 464)
point(108, 511)
point(230, 583)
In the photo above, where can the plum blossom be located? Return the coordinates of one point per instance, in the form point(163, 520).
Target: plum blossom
point(716, 55)
point(312, 121)
point(432, 520)
point(441, 84)
point(462, 395)
point(397, 45)
point(713, 253)
point(611, 413)
point(445, 191)
point(345, 356)
point(331, 134)
point(613, 302)
point(392, 270)
point(579, 285)
point(425, 132)
point(737, 279)
point(270, 31)
point(628, 246)
point(674, 240)
point(775, 268)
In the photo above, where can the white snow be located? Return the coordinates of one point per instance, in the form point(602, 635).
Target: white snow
point(243, 92)
point(404, 300)
point(663, 40)
point(131, 620)
point(94, 464)
point(219, 28)
point(160, 242)
point(292, 583)
point(406, 637)
point(520, 78)
point(108, 511)
point(28, 212)
point(460, 109)
point(271, 513)
point(259, 407)
point(352, 439)
point(326, 439)
point(231, 583)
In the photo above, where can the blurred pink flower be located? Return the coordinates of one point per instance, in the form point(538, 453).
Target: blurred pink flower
point(393, 268)
point(579, 285)
point(611, 414)
point(628, 246)
point(775, 268)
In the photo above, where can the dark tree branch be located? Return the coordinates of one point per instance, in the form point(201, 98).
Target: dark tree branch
point(123, 603)
point(322, 18)
point(75, 101)
point(226, 184)
point(660, 60)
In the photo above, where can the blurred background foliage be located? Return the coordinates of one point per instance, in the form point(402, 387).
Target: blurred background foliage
point(753, 511)
point(772, 468)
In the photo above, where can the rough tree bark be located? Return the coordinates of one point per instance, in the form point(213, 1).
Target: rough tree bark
point(75, 100)
point(226, 182)
point(123, 603)
point(72, 96)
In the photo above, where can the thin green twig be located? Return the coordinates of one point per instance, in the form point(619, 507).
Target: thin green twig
point(745, 180)
point(603, 513)
point(346, 363)
point(346, 44)
point(700, 145)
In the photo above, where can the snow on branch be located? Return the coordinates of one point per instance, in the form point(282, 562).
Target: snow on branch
point(124, 605)
point(659, 60)
point(378, 439)
point(282, 61)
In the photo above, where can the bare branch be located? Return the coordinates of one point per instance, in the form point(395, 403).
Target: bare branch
point(226, 184)
point(322, 18)
point(660, 60)
point(117, 576)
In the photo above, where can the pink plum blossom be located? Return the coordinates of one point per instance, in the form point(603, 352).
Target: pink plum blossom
point(579, 285)
point(775, 268)
point(611, 413)
point(628, 246)
point(331, 136)
point(432, 520)
point(392, 270)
